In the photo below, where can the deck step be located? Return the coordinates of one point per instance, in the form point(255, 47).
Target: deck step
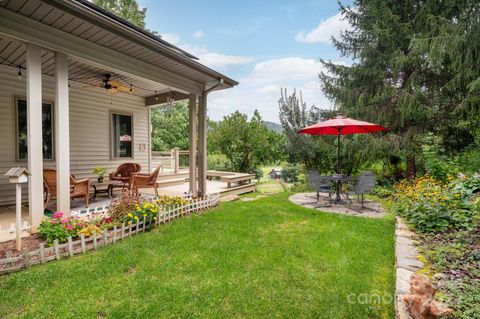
point(170, 182)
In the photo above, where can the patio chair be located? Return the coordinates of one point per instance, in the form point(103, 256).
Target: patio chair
point(79, 188)
point(363, 185)
point(123, 173)
point(139, 180)
point(320, 184)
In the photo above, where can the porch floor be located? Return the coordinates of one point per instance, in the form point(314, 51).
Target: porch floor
point(7, 213)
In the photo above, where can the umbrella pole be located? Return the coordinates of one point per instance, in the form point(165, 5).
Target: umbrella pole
point(337, 200)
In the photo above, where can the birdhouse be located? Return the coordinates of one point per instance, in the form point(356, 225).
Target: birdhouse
point(17, 175)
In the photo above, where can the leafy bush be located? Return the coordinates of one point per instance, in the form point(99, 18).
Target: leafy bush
point(171, 200)
point(144, 211)
point(122, 206)
point(89, 229)
point(431, 205)
point(258, 173)
point(59, 228)
point(383, 192)
point(218, 162)
point(290, 174)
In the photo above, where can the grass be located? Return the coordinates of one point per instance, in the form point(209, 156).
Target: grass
point(262, 259)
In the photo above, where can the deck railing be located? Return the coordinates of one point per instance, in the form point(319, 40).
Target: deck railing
point(171, 161)
point(72, 247)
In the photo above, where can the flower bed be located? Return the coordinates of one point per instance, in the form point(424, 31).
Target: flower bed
point(68, 236)
point(446, 218)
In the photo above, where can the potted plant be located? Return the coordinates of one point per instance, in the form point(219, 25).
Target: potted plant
point(100, 172)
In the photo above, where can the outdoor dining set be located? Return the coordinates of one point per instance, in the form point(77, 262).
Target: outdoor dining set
point(339, 188)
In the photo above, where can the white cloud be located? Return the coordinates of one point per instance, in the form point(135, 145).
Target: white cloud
point(280, 70)
point(171, 37)
point(261, 88)
point(214, 59)
point(198, 34)
point(327, 29)
point(218, 60)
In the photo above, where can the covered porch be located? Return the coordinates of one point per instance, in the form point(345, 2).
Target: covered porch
point(76, 88)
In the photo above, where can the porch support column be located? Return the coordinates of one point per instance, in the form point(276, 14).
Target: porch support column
point(192, 142)
point(202, 146)
point(34, 133)
point(62, 133)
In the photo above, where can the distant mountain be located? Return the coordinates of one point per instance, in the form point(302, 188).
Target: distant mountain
point(273, 126)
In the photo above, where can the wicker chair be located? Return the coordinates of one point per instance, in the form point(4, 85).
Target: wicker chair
point(79, 188)
point(139, 180)
point(123, 173)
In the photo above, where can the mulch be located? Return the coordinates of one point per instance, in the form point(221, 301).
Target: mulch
point(29, 243)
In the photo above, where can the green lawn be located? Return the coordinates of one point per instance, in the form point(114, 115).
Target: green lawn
point(261, 259)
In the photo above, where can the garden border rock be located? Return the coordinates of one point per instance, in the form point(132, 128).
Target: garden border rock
point(406, 263)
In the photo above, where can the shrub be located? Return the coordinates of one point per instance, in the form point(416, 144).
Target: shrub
point(290, 174)
point(258, 173)
point(89, 229)
point(218, 162)
point(146, 210)
point(171, 200)
point(59, 228)
point(432, 206)
point(122, 206)
point(383, 192)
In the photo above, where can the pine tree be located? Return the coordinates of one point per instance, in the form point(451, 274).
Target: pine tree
point(404, 75)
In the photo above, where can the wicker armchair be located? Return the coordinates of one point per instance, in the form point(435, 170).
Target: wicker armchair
point(138, 181)
point(79, 188)
point(123, 172)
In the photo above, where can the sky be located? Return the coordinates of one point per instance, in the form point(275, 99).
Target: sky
point(265, 45)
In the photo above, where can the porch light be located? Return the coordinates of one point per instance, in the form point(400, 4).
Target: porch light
point(156, 95)
point(19, 73)
point(131, 89)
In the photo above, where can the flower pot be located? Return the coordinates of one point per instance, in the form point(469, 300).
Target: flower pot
point(100, 179)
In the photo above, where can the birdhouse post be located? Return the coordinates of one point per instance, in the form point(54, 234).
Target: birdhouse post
point(18, 176)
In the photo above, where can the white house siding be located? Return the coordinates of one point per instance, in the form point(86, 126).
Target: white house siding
point(90, 110)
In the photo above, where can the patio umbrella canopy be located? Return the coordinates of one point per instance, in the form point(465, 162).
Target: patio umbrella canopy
point(341, 125)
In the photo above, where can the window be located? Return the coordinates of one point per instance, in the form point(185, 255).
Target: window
point(122, 135)
point(47, 130)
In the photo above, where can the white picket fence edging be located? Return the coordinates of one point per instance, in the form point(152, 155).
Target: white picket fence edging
point(80, 246)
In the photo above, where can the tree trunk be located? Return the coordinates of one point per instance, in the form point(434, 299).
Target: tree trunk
point(411, 167)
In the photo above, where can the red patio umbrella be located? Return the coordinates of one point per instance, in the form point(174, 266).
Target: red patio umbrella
point(341, 125)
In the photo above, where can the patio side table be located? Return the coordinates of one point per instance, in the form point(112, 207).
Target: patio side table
point(105, 187)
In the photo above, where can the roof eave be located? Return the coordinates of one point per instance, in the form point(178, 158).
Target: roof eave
point(86, 10)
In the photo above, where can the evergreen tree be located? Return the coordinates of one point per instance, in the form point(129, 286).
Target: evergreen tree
point(401, 77)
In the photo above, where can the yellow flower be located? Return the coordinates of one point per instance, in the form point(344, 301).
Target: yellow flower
point(130, 215)
point(136, 217)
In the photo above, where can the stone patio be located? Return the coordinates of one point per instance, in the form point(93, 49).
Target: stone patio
point(309, 200)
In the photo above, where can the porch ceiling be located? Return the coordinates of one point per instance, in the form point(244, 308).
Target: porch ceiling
point(83, 20)
point(12, 53)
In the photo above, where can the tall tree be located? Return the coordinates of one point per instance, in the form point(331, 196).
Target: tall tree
point(401, 77)
point(125, 9)
point(170, 127)
point(246, 143)
point(305, 149)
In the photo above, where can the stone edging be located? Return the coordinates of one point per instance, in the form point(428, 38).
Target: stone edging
point(406, 263)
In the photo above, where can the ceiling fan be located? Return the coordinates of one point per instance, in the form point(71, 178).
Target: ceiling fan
point(113, 86)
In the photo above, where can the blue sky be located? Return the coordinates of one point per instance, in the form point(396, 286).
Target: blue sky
point(265, 45)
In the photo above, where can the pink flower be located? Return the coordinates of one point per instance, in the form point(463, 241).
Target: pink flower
point(65, 220)
point(53, 221)
point(58, 215)
point(69, 227)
